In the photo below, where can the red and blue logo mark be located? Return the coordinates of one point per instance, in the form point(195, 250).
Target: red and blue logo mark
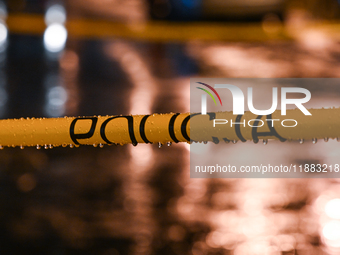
point(212, 89)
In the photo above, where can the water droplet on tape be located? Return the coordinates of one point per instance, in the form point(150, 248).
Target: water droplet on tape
point(234, 141)
point(169, 144)
point(22, 147)
point(301, 141)
point(38, 147)
point(71, 145)
point(101, 145)
point(265, 141)
point(160, 145)
point(315, 140)
point(326, 139)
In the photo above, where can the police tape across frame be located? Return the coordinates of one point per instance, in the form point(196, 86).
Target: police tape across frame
point(172, 127)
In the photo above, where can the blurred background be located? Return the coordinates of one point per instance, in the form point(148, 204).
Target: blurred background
point(110, 57)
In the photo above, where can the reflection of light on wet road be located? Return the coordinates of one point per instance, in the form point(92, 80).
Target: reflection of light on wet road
point(133, 64)
point(55, 37)
point(141, 157)
point(241, 61)
point(327, 207)
point(56, 95)
point(312, 56)
point(69, 67)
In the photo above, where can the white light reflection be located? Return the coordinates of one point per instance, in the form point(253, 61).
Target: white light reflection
point(332, 209)
point(3, 36)
point(3, 33)
point(55, 37)
point(327, 205)
point(55, 14)
point(257, 247)
point(56, 99)
point(331, 233)
point(56, 96)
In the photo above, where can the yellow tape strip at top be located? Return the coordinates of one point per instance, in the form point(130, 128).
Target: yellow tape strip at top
point(150, 31)
point(163, 128)
point(34, 24)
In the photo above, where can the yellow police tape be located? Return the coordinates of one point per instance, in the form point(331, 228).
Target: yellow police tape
point(168, 128)
point(34, 24)
point(152, 30)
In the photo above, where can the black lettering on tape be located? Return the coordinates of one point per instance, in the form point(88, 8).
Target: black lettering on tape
point(130, 127)
point(87, 135)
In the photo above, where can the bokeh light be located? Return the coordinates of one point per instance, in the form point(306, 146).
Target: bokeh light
point(332, 209)
point(55, 37)
point(3, 36)
point(331, 233)
point(55, 14)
